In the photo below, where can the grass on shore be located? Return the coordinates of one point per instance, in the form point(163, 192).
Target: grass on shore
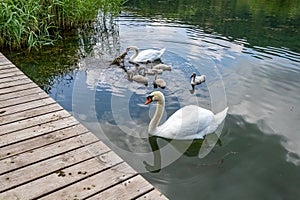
point(32, 24)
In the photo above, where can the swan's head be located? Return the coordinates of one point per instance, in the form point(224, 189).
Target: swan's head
point(131, 47)
point(193, 74)
point(155, 96)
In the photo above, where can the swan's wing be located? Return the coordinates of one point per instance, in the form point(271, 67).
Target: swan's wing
point(149, 55)
point(189, 122)
point(218, 119)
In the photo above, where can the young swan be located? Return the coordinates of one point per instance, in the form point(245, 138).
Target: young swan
point(158, 82)
point(188, 123)
point(137, 78)
point(162, 67)
point(150, 71)
point(196, 80)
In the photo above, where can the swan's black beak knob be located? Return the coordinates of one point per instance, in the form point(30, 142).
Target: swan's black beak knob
point(149, 100)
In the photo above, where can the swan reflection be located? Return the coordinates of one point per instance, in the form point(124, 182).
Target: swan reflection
point(190, 148)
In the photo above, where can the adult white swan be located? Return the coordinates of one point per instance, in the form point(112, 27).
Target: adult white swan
point(189, 122)
point(148, 55)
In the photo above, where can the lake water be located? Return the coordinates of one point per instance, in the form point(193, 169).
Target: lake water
point(250, 54)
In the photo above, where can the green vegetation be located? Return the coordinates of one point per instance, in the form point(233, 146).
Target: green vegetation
point(32, 24)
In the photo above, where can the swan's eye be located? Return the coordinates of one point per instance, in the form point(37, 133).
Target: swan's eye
point(149, 99)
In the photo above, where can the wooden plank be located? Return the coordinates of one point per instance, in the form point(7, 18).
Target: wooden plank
point(56, 124)
point(13, 78)
point(52, 135)
point(153, 195)
point(9, 84)
point(3, 58)
point(4, 62)
point(93, 184)
point(17, 88)
point(20, 94)
point(128, 189)
point(5, 65)
point(11, 74)
point(51, 165)
point(36, 155)
point(10, 70)
point(20, 100)
point(28, 113)
point(46, 117)
point(25, 106)
point(62, 178)
point(7, 68)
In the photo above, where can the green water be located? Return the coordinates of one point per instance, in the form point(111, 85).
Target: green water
point(250, 53)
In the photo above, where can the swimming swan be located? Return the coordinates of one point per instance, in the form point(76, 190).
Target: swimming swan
point(145, 56)
point(150, 71)
point(196, 80)
point(137, 78)
point(189, 122)
point(162, 67)
point(159, 82)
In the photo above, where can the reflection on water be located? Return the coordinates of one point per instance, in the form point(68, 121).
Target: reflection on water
point(251, 60)
point(258, 149)
point(190, 148)
point(249, 22)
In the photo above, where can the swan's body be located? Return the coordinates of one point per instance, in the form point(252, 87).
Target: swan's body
point(197, 80)
point(159, 82)
point(162, 67)
point(145, 56)
point(189, 122)
point(137, 78)
point(153, 71)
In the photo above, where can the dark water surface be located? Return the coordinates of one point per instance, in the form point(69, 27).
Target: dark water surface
point(250, 53)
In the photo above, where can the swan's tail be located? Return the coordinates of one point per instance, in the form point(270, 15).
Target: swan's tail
point(162, 51)
point(218, 119)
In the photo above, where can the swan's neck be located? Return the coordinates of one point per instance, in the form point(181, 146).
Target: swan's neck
point(194, 79)
point(160, 107)
point(130, 75)
point(136, 53)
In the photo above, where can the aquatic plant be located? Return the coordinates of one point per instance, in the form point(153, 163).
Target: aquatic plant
point(32, 24)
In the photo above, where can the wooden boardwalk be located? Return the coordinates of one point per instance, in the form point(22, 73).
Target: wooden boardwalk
point(45, 153)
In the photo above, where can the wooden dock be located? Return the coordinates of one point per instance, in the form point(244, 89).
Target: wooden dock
point(45, 153)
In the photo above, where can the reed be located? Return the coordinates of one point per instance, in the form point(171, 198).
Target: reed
point(32, 24)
